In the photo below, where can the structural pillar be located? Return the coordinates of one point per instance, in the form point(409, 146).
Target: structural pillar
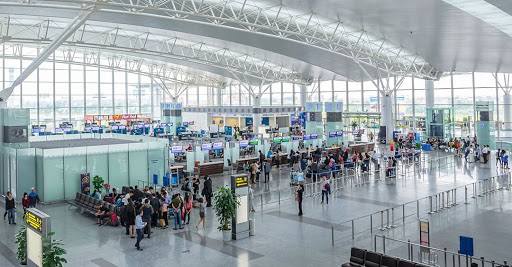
point(387, 114)
point(257, 114)
point(219, 96)
point(303, 95)
point(507, 111)
point(429, 93)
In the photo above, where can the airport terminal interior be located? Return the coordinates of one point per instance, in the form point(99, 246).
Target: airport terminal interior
point(255, 133)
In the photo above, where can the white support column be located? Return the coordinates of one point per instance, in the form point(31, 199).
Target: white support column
point(256, 118)
point(219, 96)
point(429, 93)
point(387, 117)
point(507, 111)
point(303, 95)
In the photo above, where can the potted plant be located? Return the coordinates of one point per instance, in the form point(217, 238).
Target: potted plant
point(97, 183)
point(21, 240)
point(53, 252)
point(225, 204)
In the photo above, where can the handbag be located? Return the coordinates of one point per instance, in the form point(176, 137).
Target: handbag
point(162, 222)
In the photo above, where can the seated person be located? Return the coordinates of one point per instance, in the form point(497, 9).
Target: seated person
point(102, 213)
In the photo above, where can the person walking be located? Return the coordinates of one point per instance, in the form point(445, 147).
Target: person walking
point(155, 203)
point(176, 208)
point(202, 213)
point(300, 193)
point(10, 206)
point(252, 170)
point(209, 190)
point(187, 204)
point(34, 198)
point(498, 158)
point(147, 210)
point(268, 167)
point(257, 166)
point(505, 159)
point(251, 199)
point(139, 226)
point(25, 202)
point(326, 188)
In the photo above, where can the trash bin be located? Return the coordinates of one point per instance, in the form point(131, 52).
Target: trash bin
point(251, 227)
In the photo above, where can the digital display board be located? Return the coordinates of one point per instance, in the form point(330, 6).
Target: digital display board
point(87, 129)
point(285, 139)
point(58, 130)
point(67, 129)
point(314, 136)
point(332, 134)
point(244, 143)
point(207, 146)
point(122, 127)
point(36, 130)
point(176, 149)
point(218, 145)
point(355, 132)
point(277, 140)
point(339, 134)
point(146, 125)
point(114, 127)
point(253, 142)
point(242, 181)
point(185, 124)
point(306, 137)
point(95, 128)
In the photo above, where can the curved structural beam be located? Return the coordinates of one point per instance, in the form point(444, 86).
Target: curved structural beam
point(148, 44)
point(276, 20)
point(155, 70)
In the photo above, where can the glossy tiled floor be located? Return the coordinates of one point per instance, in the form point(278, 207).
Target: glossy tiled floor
point(284, 239)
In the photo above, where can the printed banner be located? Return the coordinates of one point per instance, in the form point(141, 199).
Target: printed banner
point(85, 182)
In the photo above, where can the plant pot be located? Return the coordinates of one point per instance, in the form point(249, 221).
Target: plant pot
point(23, 263)
point(226, 235)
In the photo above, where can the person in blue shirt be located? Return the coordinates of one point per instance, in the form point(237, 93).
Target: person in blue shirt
point(95, 195)
point(139, 228)
point(505, 159)
point(33, 197)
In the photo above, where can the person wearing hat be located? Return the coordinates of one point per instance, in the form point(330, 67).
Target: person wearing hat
point(34, 198)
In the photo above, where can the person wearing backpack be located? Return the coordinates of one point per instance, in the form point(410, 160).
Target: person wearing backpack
point(326, 188)
point(153, 201)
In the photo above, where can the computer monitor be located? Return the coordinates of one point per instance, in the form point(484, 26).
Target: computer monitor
point(95, 128)
point(122, 127)
point(114, 127)
point(253, 142)
point(355, 132)
point(207, 146)
point(146, 125)
point(185, 124)
point(306, 137)
point(58, 130)
point(67, 129)
point(314, 136)
point(176, 149)
point(36, 130)
point(244, 143)
point(218, 145)
point(285, 139)
point(277, 140)
point(87, 128)
point(339, 134)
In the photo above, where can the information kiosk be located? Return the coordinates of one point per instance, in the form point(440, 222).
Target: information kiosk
point(240, 223)
point(38, 226)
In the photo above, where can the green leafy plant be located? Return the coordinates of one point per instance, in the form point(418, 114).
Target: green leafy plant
point(97, 183)
point(21, 240)
point(418, 145)
point(225, 203)
point(53, 252)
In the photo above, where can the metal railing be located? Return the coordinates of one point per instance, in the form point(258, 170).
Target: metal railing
point(428, 255)
point(350, 177)
point(411, 211)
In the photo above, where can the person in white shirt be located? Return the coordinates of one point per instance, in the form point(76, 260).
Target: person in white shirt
point(326, 188)
point(126, 197)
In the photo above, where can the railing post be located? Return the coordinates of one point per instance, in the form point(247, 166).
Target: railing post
point(371, 223)
point(431, 211)
point(383, 244)
point(382, 221)
point(454, 198)
point(448, 199)
point(279, 196)
point(393, 225)
point(417, 209)
point(474, 190)
point(466, 195)
point(353, 230)
point(442, 201)
point(387, 219)
point(409, 249)
point(403, 214)
point(445, 259)
point(332, 235)
point(375, 243)
point(482, 260)
point(261, 201)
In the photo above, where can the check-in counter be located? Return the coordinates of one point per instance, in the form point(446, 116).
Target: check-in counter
point(209, 168)
point(240, 162)
point(176, 169)
point(283, 157)
point(361, 147)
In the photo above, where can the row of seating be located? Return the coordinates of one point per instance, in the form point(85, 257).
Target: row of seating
point(361, 257)
point(89, 204)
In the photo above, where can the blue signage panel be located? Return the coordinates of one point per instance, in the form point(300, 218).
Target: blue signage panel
point(466, 246)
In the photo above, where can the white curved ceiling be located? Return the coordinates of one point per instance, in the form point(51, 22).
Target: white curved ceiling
point(445, 36)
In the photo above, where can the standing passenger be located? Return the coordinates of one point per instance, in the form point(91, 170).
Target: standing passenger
point(139, 226)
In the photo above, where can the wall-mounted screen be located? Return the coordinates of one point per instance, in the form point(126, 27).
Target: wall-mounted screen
point(185, 124)
point(176, 149)
point(277, 140)
point(314, 136)
point(253, 142)
point(114, 127)
point(122, 127)
point(58, 130)
point(244, 143)
point(285, 139)
point(306, 137)
point(339, 134)
point(218, 145)
point(95, 128)
point(207, 146)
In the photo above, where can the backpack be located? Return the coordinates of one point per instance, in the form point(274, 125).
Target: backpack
point(119, 202)
point(327, 187)
point(113, 220)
